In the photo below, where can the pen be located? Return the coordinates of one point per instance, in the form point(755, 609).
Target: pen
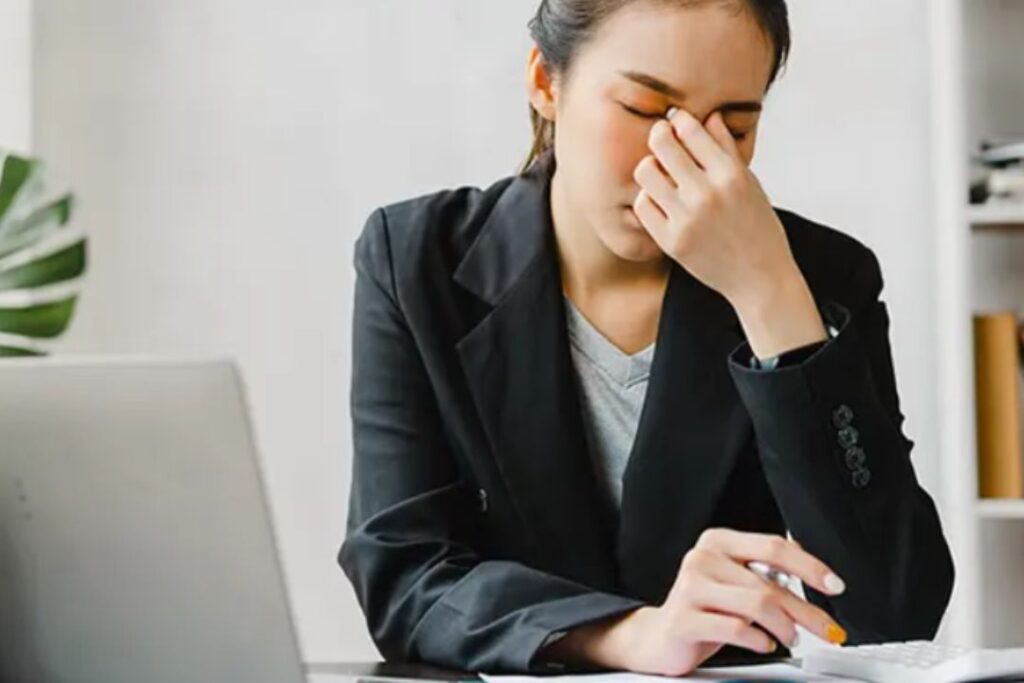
point(771, 574)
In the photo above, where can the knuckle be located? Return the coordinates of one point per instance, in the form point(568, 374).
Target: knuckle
point(708, 537)
point(704, 202)
point(737, 628)
point(695, 559)
point(732, 184)
point(776, 550)
point(764, 602)
point(687, 584)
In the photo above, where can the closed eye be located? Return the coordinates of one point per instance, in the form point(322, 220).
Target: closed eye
point(645, 115)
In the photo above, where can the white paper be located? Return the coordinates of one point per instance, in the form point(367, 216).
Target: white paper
point(782, 673)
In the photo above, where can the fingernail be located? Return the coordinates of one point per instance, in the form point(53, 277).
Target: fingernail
point(795, 641)
point(834, 585)
point(834, 633)
point(671, 112)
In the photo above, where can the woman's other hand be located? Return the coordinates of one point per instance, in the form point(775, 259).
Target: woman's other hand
point(716, 600)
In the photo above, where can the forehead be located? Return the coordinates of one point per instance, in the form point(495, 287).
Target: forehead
point(715, 49)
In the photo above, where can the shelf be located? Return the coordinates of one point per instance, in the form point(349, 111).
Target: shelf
point(1000, 509)
point(997, 214)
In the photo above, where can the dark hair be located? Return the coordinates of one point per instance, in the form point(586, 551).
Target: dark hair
point(561, 27)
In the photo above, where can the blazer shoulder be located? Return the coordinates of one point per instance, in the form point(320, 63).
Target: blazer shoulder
point(430, 231)
point(835, 263)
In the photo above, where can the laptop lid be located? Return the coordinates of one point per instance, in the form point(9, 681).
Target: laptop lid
point(135, 540)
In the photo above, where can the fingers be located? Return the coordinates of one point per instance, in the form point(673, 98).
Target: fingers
point(705, 149)
point(658, 186)
point(722, 135)
point(716, 551)
point(653, 219)
point(752, 604)
point(811, 617)
point(776, 551)
point(723, 628)
point(677, 161)
point(723, 570)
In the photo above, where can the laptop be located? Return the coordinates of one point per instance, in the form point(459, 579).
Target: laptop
point(135, 539)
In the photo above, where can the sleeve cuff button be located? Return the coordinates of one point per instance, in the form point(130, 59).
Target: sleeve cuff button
point(842, 416)
point(861, 477)
point(855, 458)
point(848, 437)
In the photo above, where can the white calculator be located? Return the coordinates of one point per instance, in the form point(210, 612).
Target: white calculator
point(916, 662)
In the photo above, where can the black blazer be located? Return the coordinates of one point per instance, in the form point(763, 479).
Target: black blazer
point(475, 525)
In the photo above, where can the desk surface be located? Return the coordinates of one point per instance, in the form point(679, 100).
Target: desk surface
point(379, 672)
point(407, 671)
point(396, 670)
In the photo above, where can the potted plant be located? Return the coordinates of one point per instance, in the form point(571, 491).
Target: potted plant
point(42, 259)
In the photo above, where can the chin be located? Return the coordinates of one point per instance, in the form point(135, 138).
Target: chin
point(632, 244)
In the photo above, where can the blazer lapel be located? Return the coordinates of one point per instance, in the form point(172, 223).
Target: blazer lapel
point(520, 373)
point(692, 427)
point(519, 369)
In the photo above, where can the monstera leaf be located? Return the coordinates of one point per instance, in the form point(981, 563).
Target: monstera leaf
point(42, 259)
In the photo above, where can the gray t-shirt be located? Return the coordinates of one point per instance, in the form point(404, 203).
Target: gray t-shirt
point(613, 385)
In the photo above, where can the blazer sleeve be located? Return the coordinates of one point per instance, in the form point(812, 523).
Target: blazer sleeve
point(409, 551)
point(830, 438)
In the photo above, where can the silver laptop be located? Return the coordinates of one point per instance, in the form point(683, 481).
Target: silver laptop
point(135, 541)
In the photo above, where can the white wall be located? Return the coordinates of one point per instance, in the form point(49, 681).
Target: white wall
point(846, 141)
point(226, 153)
point(16, 75)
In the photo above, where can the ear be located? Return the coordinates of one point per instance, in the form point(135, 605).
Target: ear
point(541, 87)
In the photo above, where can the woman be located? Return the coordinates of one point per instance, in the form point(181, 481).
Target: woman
point(585, 397)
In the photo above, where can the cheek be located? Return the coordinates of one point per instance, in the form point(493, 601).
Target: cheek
point(623, 145)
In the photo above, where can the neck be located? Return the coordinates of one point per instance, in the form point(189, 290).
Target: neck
point(588, 266)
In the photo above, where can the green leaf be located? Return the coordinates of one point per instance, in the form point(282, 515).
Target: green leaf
point(37, 226)
point(44, 321)
point(15, 172)
point(13, 352)
point(58, 211)
point(39, 276)
point(65, 264)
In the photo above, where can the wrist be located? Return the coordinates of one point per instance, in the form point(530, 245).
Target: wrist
point(780, 315)
point(761, 294)
point(605, 643)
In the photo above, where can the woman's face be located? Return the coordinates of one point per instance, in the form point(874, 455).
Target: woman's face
point(647, 58)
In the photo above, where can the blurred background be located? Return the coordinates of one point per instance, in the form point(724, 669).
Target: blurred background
point(225, 154)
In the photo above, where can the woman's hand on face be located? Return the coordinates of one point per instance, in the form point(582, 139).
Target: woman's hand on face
point(716, 600)
point(707, 211)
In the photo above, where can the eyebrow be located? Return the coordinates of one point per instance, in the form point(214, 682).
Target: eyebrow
point(664, 88)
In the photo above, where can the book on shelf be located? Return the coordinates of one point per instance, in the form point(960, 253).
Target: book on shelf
point(997, 373)
point(998, 151)
point(997, 171)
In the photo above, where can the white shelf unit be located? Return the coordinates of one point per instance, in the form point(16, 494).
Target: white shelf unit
point(997, 214)
point(1000, 509)
point(977, 92)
